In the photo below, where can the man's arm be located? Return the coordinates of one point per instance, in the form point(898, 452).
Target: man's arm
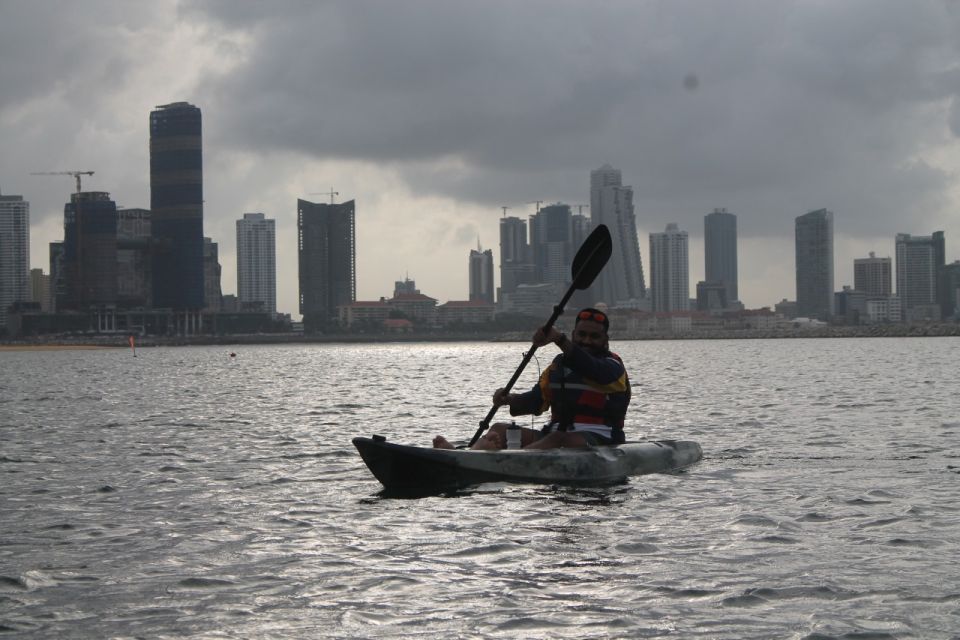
point(603, 369)
point(535, 401)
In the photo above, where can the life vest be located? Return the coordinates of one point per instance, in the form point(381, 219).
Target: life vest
point(578, 401)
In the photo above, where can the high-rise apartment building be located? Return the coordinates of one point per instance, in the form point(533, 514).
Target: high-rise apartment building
point(814, 264)
point(481, 275)
point(257, 261)
point(90, 264)
point(611, 203)
point(920, 261)
point(873, 276)
point(670, 270)
point(14, 253)
point(176, 204)
point(327, 261)
point(720, 251)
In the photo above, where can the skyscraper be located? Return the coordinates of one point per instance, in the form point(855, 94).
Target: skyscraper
point(720, 250)
point(814, 264)
point(257, 261)
point(90, 264)
point(58, 277)
point(950, 291)
point(481, 275)
point(670, 270)
point(327, 257)
point(212, 291)
point(611, 204)
point(516, 262)
point(873, 276)
point(14, 253)
point(176, 203)
point(551, 235)
point(920, 261)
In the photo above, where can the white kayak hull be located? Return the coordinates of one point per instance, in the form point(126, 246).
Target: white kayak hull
point(404, 467)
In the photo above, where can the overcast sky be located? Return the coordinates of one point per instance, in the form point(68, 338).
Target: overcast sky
point(433, 114)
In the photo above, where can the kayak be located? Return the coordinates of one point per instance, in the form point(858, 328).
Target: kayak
point(406, 468)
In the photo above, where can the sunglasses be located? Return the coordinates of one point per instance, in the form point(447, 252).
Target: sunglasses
point(592, 315)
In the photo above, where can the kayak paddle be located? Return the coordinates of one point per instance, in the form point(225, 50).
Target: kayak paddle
point(587, 264)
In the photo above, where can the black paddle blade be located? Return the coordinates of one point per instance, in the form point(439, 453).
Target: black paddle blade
point(591, 258)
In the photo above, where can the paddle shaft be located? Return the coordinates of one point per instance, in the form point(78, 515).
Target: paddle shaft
point(557, 310)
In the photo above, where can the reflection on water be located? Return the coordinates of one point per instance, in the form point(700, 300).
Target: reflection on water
point(185, 492)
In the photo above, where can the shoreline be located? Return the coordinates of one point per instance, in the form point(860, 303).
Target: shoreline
point(53, 343)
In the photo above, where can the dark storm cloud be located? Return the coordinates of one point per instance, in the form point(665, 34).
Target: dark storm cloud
point(769, 108)
point(65, 49)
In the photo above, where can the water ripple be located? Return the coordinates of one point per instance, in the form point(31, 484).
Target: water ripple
point(177, 494)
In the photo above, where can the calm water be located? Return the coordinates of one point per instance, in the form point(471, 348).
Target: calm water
point(187, 493)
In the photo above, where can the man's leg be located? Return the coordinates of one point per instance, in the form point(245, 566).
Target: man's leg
point(557, 439)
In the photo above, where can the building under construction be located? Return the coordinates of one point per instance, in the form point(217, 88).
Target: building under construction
point(327, 259)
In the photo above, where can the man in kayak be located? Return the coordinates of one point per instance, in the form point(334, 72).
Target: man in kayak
point(585, 387)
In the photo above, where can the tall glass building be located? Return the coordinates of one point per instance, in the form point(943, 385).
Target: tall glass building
point(176, 204)
point(720, 251)
point(814, 264)
point(516, 262)
point(14, 253)
point(920, 261)
point(90, 261)
point(551, 240)
point(326, 249)
point(950, 291)
point(611, 203)
point(481, 275)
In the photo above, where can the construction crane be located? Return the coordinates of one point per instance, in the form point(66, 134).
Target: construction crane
point(580, 207)
point(505, 211)
point(75, 174)
point(538, 203)
point(330, 193)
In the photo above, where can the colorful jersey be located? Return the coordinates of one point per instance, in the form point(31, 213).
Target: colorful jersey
point(583, 392)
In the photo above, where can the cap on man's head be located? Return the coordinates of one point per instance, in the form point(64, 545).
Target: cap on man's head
point(595, 315)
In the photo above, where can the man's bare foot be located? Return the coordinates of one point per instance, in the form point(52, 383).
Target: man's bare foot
point(442, 443)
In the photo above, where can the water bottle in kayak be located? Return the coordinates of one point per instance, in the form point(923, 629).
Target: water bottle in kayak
point(513, 436)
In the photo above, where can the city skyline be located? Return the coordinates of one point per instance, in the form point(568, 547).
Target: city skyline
point(689, 118)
